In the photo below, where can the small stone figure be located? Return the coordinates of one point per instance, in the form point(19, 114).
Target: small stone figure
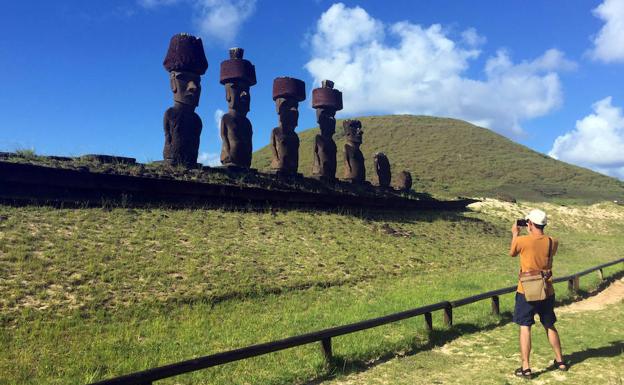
point(237, 74)
point(326, 100)
point(382, 168)
point(186, 62)
point(287, 93)
point(354, 168)
point(404, 182)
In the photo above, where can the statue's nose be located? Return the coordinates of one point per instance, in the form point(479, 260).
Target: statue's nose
point(191, 86)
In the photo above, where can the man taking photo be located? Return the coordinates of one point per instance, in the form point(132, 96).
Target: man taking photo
point(536, 251)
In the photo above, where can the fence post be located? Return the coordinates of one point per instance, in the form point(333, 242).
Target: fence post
point(448, 315)
point(601, 274)
point(327, 349)
point(428, 322)
point(573, 284)
point(495, 305)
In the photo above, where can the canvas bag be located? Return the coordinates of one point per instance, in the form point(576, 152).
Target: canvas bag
point(534, 283)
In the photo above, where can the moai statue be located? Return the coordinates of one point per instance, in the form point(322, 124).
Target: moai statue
point(237, 75)
point(326, 100)
point(404, 182)
point(186, 62)
point(287, 93)
point(382, 168)
point(354, 169)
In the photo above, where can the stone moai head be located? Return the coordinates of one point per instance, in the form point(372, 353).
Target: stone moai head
point(186, 62)
point(287, 93)
point(237, 75)
point(326, 100)
point(353, 131)
point(404, 182)
point(382, 168)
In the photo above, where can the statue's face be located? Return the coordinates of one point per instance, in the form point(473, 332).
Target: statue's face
point(288, 111)
point(355, 134)
point(186, 87)
point(237, 96)
point(326, 118)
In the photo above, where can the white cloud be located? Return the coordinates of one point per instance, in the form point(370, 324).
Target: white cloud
point(222, 19)
point(215, 19)
point(597, 142)
point(608, 45)
point(218, 114)
point(209, 159)
point(421, 70)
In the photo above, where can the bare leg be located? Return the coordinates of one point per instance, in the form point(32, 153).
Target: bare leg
point(553, 338)
point(525, 345)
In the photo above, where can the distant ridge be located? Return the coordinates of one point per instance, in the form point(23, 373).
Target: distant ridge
point(450, 157)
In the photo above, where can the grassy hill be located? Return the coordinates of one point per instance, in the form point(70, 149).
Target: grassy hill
point(450, 157)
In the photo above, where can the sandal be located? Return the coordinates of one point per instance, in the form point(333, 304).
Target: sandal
point(525, 373)
point(560, 365)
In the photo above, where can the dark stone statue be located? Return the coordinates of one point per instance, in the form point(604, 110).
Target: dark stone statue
point(238, 75)
point(404, 182)
point(382, 168)
point(354, 168)
point(326, 100)
point(186, 62)
point(287, 93)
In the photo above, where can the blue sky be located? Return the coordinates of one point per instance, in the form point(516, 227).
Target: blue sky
point(87, 76)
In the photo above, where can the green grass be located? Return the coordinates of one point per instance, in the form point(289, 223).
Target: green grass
point(449, 157)
point(94, 293)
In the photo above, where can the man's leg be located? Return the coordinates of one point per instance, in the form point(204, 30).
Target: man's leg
point(553, 338)
point(525, 345)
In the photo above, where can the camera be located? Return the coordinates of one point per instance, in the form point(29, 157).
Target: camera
point(521, 222)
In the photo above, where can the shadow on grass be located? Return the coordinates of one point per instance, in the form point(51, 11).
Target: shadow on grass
point(340, 365)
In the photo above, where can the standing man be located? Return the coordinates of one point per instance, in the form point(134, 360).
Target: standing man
point(536, 251)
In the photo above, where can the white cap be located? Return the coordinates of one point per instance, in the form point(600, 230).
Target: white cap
point(538, 217)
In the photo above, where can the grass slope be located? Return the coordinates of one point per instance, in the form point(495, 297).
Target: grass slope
point(451, 157)
point(123, 290)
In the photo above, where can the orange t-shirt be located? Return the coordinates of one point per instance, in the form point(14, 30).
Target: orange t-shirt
point(533, 250)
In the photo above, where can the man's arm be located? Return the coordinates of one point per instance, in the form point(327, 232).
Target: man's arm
point(513, 247)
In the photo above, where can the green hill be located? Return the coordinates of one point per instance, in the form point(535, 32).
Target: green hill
point(450, 157)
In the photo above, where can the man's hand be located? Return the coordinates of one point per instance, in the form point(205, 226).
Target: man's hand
point(515, 230)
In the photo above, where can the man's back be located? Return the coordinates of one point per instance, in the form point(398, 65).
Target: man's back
point(533, 250)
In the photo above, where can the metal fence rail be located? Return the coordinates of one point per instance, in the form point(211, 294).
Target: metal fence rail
point(324, 336)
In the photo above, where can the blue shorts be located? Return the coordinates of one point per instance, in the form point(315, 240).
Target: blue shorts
point(524, 311)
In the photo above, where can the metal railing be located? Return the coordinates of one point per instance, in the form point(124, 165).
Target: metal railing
point(324, 336)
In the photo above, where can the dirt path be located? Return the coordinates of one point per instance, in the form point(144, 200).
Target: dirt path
point(609, 296)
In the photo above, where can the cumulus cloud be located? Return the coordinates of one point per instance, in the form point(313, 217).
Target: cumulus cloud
point(608, 45)
point(597, 141)
point(209, 159)
point(408, 68)
point(215, 19)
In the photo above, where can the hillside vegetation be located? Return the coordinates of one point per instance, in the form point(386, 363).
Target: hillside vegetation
point(450, 157)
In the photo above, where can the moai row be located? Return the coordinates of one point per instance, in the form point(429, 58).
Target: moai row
point(186, 62)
